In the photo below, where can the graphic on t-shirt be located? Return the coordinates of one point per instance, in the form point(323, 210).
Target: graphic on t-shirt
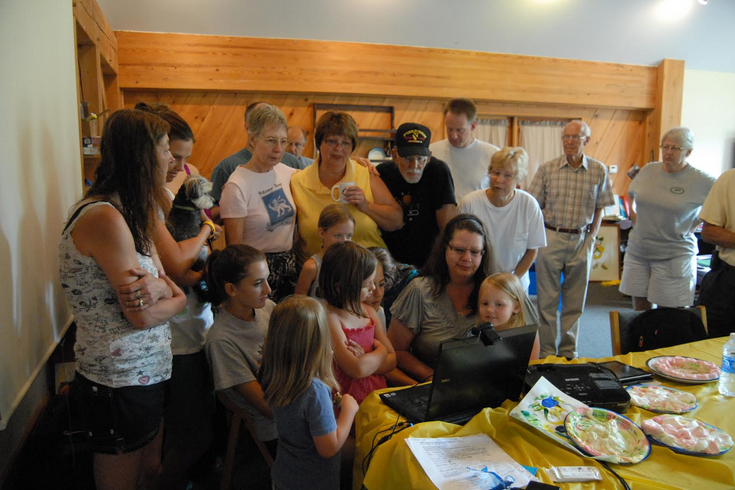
point(280, 210)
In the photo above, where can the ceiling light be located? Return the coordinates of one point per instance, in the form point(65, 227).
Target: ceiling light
point(673, 10)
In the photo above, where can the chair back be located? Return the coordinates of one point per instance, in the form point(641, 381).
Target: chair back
point(238, 416)
point(636, 331)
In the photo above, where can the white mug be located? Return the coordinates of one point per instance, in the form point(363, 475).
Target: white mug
point(341, 186)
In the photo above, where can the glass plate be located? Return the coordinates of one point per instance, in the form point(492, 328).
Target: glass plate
point(662, 399)
point(693, 366)
point(607, 436)
point(723, 442)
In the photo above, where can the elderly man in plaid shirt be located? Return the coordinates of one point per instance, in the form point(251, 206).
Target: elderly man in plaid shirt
point(572, 191)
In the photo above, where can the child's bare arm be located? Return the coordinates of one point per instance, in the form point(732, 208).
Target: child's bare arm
point(389, 364)
point(306, 278)
point(329, 444)
point(353, 366)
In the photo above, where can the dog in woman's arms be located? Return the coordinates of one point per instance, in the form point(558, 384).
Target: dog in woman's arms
point(184, 220)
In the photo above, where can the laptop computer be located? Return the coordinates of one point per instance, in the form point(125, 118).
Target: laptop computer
point(469, 376)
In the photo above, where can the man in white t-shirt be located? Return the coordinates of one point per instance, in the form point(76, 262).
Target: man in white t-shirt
point(467, 157)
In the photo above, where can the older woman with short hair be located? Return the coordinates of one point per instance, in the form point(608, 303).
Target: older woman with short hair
point(512, 216)
point(257, 206)
point(660, 260)
point(368, 198)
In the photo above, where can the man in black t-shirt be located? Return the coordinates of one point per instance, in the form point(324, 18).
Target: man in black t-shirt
point(424, 188)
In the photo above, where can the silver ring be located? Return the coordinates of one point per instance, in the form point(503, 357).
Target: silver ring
point(137, 294)
point(140, 303)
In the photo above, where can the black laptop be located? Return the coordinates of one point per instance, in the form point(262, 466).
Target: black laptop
point(471, 374)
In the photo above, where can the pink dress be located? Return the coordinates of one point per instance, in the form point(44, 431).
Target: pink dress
point(360, 388)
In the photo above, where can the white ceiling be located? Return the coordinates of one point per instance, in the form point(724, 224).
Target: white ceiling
point(622, 31)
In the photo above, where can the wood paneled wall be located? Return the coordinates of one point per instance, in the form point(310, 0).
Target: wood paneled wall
point(217, 120)
point(192, 62)
point(210, 80)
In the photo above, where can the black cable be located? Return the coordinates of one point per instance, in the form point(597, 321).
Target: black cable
point(404, 425)
point(622, 480)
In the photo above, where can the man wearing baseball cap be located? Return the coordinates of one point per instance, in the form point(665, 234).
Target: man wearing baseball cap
point(423, 187)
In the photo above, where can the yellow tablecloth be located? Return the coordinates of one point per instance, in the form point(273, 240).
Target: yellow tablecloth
point(394, 467)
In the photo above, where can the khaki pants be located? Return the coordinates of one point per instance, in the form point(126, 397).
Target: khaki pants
point(571, 254)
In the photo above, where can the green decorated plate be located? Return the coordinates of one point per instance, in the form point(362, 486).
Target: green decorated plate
point(607, 436)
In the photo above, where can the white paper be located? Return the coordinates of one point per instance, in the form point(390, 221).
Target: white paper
point(457, 463)
point(545, 407)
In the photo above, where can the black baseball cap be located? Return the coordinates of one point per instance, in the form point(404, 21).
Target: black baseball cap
point(413, 139)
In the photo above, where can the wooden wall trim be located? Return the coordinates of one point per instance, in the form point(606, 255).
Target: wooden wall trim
point(91, 19)
point(165, 61)
point(667, 113)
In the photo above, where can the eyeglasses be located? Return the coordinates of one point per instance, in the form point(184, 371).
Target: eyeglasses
point(272, 142)
point(461, 251)
point(672, 148)
point(418, 161)
point(499, 173)
point(573, 137)
point(297, 144)
point(332, 143)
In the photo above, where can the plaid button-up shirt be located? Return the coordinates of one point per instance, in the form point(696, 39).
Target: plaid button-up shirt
point(569, 197)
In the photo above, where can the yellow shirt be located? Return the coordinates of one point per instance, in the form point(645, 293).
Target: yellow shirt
point(311, 196)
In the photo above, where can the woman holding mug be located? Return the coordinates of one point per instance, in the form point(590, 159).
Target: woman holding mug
point(335, 176)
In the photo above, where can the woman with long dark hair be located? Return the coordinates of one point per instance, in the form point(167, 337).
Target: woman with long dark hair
point(123, 341)
point(440, 304)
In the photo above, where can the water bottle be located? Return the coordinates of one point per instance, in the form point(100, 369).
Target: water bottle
point(727, 378)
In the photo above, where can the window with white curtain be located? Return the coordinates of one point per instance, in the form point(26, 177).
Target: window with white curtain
point(542, 142)
point(493, 131)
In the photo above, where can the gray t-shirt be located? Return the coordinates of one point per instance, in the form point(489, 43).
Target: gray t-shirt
point(223, 170)
point(667, 205)
point(432, 319)
point(233, 349)
point(298, 464)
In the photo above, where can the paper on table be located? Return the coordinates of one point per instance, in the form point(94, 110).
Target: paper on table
point(544, 407)
point(456, 463)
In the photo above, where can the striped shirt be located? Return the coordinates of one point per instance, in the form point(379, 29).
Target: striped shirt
point(569, 197)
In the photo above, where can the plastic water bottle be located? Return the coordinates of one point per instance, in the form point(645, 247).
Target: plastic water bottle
point(727, 378)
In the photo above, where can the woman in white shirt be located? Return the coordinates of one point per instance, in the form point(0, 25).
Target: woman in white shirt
point(256, 204)
point(512, 216)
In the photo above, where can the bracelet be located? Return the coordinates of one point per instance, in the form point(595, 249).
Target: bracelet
point(211, 225)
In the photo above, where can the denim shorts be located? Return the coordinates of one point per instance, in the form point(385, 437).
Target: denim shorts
point(120, 420)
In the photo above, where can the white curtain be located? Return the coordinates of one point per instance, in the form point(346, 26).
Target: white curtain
point(542, 142)
point(493, 131)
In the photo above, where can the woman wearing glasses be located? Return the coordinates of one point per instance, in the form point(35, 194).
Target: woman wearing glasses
point(368, 198)
point(513, 215)
point(257, 206)
point(440, 304)
point(666, 196)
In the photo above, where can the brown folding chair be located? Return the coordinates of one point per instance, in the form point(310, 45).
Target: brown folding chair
point(620, 327)
point(238, 416)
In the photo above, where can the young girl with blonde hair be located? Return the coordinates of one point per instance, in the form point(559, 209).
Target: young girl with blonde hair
point(336, 225)
point(297, 379)
point(504, 303)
